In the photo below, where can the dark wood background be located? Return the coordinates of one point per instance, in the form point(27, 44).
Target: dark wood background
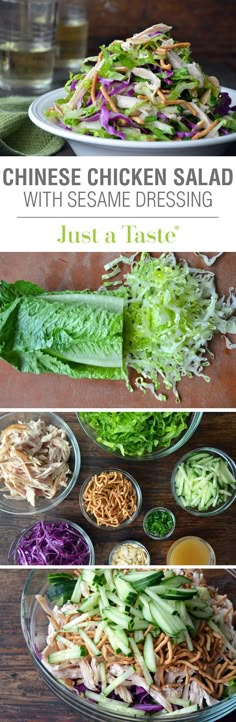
point(210, 25)
point(24, 695)
point(216, 429)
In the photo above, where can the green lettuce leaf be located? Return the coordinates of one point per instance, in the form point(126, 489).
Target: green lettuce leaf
point(79, 334)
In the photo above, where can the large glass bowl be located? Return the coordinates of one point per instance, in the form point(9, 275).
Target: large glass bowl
point(34, 625)
point(193, 423)
point(22, 507)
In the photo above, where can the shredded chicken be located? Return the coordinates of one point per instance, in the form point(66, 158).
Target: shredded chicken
point(33, 460)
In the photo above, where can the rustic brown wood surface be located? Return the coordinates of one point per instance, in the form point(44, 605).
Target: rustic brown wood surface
point(24, 695)
point(215, 429)
point(210, 26)
point(63, 270)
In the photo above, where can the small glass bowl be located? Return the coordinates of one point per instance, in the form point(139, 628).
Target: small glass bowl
point(22, 507)
point(222, 507)
point(193, 423)
point(91, 519)
point(154, 536)
point(211, 559)
point(12, 554)
point(129, 541)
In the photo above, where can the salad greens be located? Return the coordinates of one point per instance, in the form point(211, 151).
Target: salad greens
point(147, 88)
point(136, 642)
point(159, 323)
point(135, 433)
point(172, 312)
point(79, 334)
point(204, 481)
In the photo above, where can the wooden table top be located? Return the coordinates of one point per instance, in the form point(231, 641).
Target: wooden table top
point(24, 695)
point(215, 429)
point(63, 270)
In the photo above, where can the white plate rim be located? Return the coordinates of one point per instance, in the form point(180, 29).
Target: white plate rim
point(43, 102)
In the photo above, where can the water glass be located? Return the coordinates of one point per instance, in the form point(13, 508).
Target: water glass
point(27, 44)
point(72, 35)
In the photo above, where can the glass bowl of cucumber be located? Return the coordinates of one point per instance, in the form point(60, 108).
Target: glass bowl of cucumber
point(203, 481)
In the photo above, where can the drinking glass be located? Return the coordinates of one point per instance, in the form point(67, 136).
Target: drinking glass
point(72, 35)
point(27, 44)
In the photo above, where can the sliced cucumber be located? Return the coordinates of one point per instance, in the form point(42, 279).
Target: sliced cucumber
point(124, 590)
point(141, 580)
point(149, 654)
point(113, 614)
point(67, 654)
point(76, 596)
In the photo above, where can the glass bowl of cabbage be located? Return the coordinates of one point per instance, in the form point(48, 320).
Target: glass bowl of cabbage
point(52, 542)
point(139, 435)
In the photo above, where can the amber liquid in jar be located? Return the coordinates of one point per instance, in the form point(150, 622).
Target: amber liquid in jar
point(190, 550)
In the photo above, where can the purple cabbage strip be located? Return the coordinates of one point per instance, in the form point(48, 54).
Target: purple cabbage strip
point(104, 120)
point(52, 542)
point(188, 134)
point(148, 707)
point(62, 125)
point(153, 34)
point(73, 84)
point(223, 104)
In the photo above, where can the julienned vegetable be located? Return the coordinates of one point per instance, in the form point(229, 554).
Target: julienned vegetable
point(52, 543)
point(159, 323)
point(147, 88)
point(123, 638)
point(135, 433)
point(159, 522)
point(204, 481)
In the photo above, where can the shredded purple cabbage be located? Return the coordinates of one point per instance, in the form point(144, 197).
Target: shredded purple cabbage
point(73, 84)
point(52, 542)
point(148, 707)
point(223, 105)
point(62, 125)
point(105, 116)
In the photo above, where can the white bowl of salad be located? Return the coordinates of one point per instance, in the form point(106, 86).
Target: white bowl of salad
point(149, 644)
point(142, 96)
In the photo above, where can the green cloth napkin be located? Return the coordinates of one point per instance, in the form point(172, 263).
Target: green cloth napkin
point(18, 135)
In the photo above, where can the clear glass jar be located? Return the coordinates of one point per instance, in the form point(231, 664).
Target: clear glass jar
point(22, 507)
point(193, 423)
point(71, 37)
point(35, 625)
point(27, 44)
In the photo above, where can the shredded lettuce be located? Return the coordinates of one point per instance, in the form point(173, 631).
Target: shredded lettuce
point(135, 433)
point(171, 314)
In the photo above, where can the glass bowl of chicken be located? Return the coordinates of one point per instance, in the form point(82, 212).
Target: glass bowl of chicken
point(39, 462)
